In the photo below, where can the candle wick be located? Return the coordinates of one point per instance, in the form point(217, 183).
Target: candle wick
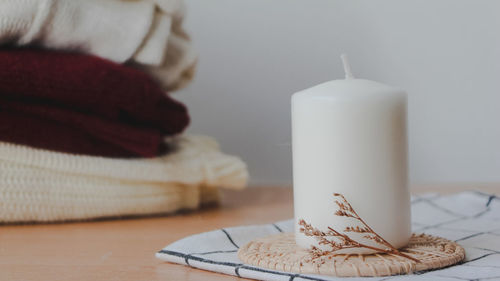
point(347, 66)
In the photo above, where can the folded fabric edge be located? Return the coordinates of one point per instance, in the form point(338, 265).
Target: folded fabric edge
point(197, 160)
point(33, 203)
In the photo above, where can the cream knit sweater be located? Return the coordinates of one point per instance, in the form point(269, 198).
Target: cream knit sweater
point(145, 33)
point(40, 185)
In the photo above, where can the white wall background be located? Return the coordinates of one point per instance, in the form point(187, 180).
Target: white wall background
point(254, 54)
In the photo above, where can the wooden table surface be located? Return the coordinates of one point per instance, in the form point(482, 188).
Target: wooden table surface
point(124, 249)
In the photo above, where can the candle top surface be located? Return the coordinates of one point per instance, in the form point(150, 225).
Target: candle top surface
point(350, 89)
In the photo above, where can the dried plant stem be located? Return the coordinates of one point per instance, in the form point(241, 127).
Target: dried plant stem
point(392, 250)
point(346, 242)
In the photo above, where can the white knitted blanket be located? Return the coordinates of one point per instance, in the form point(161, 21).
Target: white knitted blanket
point(41, 185)
point(147, 34)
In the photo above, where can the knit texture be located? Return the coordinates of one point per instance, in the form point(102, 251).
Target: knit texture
point(83, 104)
point(40, 185)
point(146, 34)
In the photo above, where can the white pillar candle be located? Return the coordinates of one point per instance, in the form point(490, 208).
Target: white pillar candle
point(349, 137)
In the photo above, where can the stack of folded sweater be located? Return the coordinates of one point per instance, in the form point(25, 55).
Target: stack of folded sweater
point(86, 127)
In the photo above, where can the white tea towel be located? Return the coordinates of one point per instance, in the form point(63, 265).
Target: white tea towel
point(470, 218)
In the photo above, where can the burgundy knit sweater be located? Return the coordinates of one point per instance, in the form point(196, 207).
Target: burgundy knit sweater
point(83, 104)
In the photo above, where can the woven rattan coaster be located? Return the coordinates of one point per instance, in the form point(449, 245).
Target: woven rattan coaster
point(279, 252)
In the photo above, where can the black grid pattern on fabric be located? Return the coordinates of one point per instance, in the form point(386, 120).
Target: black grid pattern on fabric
point(431, 201)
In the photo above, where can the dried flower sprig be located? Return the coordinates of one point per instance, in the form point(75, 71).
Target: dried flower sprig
point(342, 241)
